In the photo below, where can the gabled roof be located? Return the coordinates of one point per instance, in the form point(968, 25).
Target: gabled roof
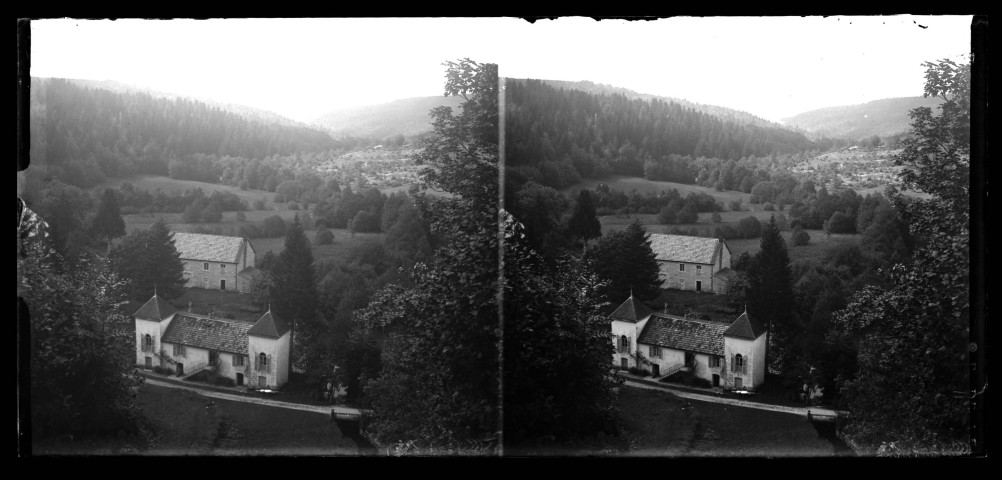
point(745, 327)
point(686, 334)
point(209, 248)
point(269, 326)
point(631, 311)
point(209, 333)
point(155, 308)
point(686, 249)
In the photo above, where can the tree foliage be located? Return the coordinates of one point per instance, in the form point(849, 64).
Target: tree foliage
point(625, 260)
point(148, 261)
point(438, 385)
point(770, 296)
point(910, 395)
point(82, 346)
point(583, 224)
point(557, 349)
point(293, 294)
point(108, 221)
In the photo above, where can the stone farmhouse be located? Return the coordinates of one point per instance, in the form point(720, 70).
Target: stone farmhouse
point(731, 356)
point(254, 354)
point(216, 262)
point(697, 264)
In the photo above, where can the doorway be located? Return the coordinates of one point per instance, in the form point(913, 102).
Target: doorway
point(262, 381)
point(656, 370)
point(716, 380)
point(149, 363)
point(240, 379)
point(180, 369)
point(624, 364)
point(222, 284)
point(690, 359)
point(699, 286)
point(738, 383)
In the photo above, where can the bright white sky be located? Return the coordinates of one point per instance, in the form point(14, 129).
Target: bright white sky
point(773, 67)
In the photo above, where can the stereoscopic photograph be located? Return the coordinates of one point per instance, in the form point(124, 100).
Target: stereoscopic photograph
point(683, 237)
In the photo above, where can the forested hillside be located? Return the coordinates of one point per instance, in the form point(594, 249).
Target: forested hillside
point(82, 136)
point(723, 113)
point(556, 136)
point(884, 118)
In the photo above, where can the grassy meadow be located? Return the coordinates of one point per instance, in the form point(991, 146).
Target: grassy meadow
point(182, 422)
point(657, 423)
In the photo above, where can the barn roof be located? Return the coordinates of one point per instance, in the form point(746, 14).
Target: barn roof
point(686, 249)
point(155, 308)
point(686, 334)
point(209, 248)
point(631, 311)
point(745, 327)
point(269, 326)
point(725, 273)
point(200, 331)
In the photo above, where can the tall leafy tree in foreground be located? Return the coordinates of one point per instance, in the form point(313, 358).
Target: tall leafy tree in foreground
point(770, 296)
point(148, 260)
point(556, 347)
point(439, 388)
point(293, 293)
point(82, 346)
point(108, 221)
point(625, 260)
point(911, 393)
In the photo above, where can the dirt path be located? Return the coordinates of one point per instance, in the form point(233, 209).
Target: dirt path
point(326, 410)
point(802, 411)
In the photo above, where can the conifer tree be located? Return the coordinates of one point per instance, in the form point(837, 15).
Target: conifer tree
point(583, 224)
point(626, 261)
point(770, 294)
point(108, 221)
point(293, 291)
point(148, 260)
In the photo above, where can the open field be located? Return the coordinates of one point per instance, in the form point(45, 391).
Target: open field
point(814, 251)
point(642, 185)
point(167, 184)
point(657, 423)
point(183, 423)
point(344, 242)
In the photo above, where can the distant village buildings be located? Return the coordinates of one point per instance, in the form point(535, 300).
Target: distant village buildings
point(697, 264)
point(216, 262)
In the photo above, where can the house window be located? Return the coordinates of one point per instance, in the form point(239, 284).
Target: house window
point(681, 267)
point(205, 266)
point(714, 362)
point(180, 351)
point(699, 269)
point(222, 267)
point(624, 344)
point(147, 343)
point(739, 364)
point(654, 351)
point(238, 360)
point(262, 363)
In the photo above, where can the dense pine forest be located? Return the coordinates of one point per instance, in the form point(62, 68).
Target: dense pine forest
point(82, 136)
point(558, 136)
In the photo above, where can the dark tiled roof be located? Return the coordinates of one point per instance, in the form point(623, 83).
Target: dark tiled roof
point(269, 326)
point(210, 333)
point(156, 308)
point(745, 327)
point(208, 248)
point(690, 335)
point(631, 311)
point(686, 249)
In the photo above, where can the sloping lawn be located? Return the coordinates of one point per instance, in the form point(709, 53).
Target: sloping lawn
point(185, 423)
point(657, 423)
